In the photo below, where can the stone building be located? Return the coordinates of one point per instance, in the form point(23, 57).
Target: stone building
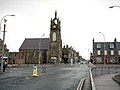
point(106, 52)
point(34, 50)
point(6, 51)
point(55, 44)
point(14, 58)
point(44, 50)
point(69, 53)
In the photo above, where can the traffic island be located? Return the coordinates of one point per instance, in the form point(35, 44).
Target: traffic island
point(35, 72)
point(34, 76)
point(43, 71)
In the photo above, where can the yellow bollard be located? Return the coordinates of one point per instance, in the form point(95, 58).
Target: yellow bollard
point(35, 71)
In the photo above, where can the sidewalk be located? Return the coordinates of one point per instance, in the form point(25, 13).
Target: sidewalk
point(105, 82)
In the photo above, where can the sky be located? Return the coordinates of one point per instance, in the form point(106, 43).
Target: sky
point(81, 21)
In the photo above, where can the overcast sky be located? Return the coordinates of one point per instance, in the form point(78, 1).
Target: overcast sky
point(81, 21)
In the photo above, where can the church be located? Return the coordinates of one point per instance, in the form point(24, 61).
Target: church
point(43, 50)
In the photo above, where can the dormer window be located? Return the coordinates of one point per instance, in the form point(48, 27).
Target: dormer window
point(98, 45)
point(111, 45)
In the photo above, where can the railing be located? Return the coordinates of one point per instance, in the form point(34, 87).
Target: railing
point(102, 70)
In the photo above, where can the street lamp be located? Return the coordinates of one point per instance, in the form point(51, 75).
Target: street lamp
point(3, 38)
point(40, 44)
point(3, 18)
point(114, 6)
point(103, 48)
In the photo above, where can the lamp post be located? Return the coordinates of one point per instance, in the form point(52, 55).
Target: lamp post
point(3, 18)
point(114, 6)
point(3, 38)
point(40, 44)
point(103, 48)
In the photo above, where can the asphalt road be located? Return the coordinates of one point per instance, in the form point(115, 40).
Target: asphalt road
point(62, 77)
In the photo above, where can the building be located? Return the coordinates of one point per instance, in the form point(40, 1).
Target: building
point(68, 54)
point(55, 44)
point(44, 50)
point(106, 52)
point(34, 50)
point(14, 58)
point(6, 51)
point(47, 50)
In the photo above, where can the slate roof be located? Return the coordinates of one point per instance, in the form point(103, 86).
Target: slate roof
point(107, 45)
point(35, 43)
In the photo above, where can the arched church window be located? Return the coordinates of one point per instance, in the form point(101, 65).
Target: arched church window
point(54, 36)
point(55, 21)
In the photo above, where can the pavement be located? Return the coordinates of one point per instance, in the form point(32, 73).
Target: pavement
point(105, 82)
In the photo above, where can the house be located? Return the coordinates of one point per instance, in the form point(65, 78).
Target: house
point(69, 53)
point(106, 52)
point(14, 58)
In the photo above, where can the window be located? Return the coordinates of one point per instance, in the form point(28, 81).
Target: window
point(98, 52)
point(98, 45)
point(14, 54)
point(54, 36)
point(112, 52)
point(105, 46)
point(118, 52)
point(105, 52)
point(111, 45)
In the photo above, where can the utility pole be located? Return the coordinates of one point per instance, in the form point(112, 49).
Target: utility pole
point(40, 48)
point(3, 44)
point(3, 37)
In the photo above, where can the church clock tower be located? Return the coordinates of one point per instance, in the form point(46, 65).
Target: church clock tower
point(55, 44)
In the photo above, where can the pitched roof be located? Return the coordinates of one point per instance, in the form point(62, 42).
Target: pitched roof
point(107, 45)
point(35, 43)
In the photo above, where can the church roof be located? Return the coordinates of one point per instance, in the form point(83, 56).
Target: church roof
point(35, 43)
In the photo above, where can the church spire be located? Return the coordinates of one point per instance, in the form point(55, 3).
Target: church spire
point(55, 13)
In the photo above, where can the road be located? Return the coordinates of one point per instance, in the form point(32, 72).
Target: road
point(62, 77)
